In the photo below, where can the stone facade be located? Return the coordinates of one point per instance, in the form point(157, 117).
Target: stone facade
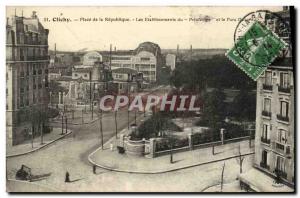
point(275, 140)
point(26, 74)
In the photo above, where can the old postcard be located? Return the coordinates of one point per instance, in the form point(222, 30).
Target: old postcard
point(150, 99)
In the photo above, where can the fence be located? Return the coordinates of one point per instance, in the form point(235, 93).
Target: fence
point(161, 146)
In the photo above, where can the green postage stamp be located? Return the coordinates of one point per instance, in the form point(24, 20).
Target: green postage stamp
point(255, 50)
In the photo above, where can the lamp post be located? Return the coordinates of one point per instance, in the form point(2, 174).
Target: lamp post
point(101, 128)
point(66, 120)
point(62, 125)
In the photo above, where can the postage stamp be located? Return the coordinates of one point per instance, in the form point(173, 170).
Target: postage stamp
point(256, 49)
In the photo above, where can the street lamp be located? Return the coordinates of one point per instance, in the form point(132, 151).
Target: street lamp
point(66, 120)
point(62, 124)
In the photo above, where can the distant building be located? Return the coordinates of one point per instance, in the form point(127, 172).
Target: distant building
point(26, 74)
point(171, 61)
point(125, 80)
point(275, 126)
point(146, 58)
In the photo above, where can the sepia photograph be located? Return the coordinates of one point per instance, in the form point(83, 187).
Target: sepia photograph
point(187, 99)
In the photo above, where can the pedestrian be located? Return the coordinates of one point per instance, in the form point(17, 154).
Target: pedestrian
point(94, 169)
point(67, 179)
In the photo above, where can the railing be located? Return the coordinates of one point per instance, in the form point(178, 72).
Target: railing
point(282, 148)
point(264, 165)
point(282, 118)
point(265, 140)
point(34, 58)
point(267, 87)
point(281, 173)
point(284, 89)
point(266, 113)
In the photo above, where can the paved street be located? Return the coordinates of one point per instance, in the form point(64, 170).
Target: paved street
point(70, 154)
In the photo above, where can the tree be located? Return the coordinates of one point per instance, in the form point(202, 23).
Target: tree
point(216, 71)
point(214, 108)
point(33, 116)
point(240, 159)
point(43, 119)
point(243, 106)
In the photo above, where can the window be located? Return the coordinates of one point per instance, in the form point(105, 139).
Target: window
point(27, 70)
point(284, 80)
point(280, 164)
point(267, 105)
point(282, 136)
point(268, 78)
point(284, 109)
point(33, 98)
point(22, 74)
point(265, 131)
point(145, 58)
point(264, 159)
point(21, 100)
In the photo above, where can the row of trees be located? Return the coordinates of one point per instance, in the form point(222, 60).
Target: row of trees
point(217, 71)
point(39, 120)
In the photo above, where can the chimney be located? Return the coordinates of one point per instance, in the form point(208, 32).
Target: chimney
point(115, 48)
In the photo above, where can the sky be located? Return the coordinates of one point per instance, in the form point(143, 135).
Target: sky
point(98, 35)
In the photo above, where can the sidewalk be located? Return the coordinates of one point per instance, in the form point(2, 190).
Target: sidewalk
point(26, 147)
point(112, 160)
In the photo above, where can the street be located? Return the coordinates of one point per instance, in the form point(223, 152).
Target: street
point(70, 154)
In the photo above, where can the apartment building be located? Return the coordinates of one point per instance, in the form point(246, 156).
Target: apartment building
point(26, 74)
point(275, 124)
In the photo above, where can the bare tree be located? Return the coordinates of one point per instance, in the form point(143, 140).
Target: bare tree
point(222, 176)
point(240, 158)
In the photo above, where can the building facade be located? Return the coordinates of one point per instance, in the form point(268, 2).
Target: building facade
point(146, 59)
point(26, 74)
point(275, 124)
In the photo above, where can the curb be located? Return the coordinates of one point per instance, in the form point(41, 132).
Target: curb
point(164, 171)
point(70, 123)
point(216, 184)
point(39, 148)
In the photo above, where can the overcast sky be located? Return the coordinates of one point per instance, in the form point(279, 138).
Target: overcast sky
point(76, 35)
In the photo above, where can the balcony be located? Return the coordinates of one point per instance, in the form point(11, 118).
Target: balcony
point(265, 140)
point(284, 89)
point(268, 87)
point(279, 147)
point(282, 118)
point(281, 173)
point(36, 58)
point(282, 148)
point(266, 113)
point(264, 165)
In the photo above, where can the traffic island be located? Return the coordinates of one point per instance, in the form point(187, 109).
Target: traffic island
point(111, 159)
